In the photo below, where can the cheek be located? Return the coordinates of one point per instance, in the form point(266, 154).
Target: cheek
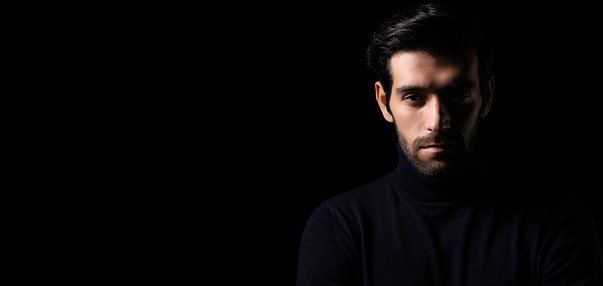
point(466, 118)
point(408, 122)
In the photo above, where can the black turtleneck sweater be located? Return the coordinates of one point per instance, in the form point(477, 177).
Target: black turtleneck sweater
point(482, 228)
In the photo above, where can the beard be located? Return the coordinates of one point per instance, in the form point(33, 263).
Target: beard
point(443, 164)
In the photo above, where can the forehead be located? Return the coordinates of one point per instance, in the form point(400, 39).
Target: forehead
point(422, 68)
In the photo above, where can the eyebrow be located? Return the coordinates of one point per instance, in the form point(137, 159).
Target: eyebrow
point(410, 88)
point(456, 85)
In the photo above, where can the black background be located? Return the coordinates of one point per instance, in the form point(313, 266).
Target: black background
point(207, 133)
point(300, 124)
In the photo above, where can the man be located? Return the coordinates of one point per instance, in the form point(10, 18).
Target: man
point(442, 217)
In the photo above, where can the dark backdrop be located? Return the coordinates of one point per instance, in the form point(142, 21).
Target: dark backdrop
point(207, 133)
point(306, 125)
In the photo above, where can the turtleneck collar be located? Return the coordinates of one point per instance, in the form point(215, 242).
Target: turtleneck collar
point(407, 180)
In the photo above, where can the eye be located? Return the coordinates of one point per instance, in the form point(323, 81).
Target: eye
point(460, 96)
point(413, 97)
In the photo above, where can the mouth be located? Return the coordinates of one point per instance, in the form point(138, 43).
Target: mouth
point(438, 147)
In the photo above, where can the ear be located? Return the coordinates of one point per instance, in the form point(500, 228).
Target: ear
point(487, 98)
point(382, 101)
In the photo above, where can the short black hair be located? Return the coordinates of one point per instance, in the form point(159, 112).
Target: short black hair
point(435, 28)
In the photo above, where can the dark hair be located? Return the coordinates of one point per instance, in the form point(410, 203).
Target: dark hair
point(433, 28)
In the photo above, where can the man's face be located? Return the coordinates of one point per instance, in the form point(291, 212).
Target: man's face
point(435, 105)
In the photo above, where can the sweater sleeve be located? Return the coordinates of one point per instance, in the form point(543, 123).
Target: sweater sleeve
point(323, 257)
point(572, 253)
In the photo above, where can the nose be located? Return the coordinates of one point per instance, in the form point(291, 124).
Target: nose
point(437, 115)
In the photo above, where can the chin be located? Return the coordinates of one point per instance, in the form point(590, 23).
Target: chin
point(438, 169)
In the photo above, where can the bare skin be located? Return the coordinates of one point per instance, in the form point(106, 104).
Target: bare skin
point(435, 105)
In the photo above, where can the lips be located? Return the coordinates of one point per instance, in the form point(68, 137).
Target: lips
point(443, 143)
point(439, 148)
point(439, 145)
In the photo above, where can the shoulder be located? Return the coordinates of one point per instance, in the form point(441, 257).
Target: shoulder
point(341, 216)
point(559, 228)
point(354, 205)
point(509, 186)
point(361, 197)
point(542, 200)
